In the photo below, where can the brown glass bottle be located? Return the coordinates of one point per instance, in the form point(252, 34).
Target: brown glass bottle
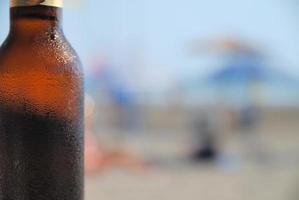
point(41, 107)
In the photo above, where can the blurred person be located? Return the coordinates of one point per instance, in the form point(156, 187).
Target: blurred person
point(97, 157)
point(249, 119)
point(204, 137)
point(108, 80)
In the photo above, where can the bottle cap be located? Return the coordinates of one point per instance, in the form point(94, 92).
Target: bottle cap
point(19, 3)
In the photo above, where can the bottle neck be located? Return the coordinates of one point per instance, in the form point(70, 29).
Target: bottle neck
point(34, 19)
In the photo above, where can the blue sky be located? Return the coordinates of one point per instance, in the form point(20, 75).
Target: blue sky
point(156, 32)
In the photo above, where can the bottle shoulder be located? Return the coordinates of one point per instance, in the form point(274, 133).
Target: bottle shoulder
point(47, 50)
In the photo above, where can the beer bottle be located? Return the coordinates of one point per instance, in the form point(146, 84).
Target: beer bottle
point(41, 107)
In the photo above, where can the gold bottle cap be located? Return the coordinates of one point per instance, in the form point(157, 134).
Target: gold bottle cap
point(53, 3)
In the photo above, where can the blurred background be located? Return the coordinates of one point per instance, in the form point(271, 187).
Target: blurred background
point(188, 99)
